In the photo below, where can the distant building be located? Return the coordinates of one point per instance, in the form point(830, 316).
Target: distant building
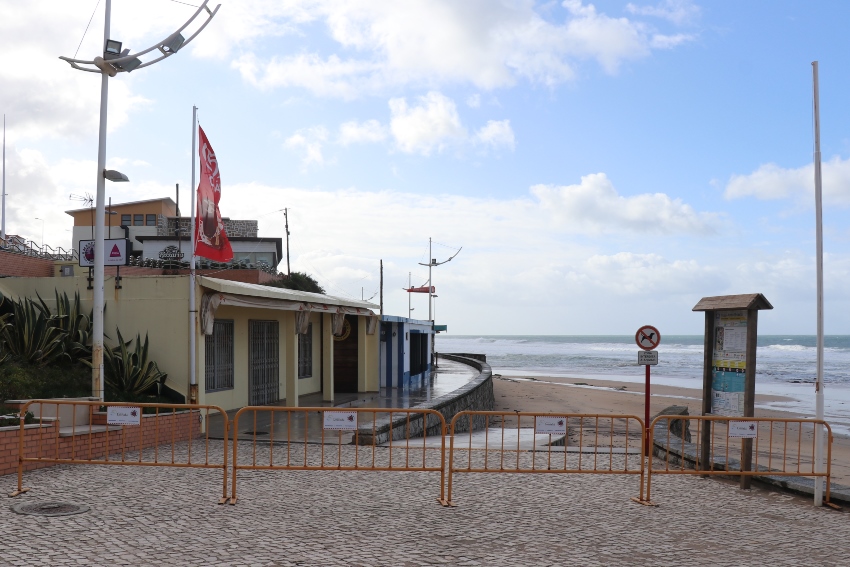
point(157, 232)
point(405, 352)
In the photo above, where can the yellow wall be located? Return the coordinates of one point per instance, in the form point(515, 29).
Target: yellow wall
point(158, 306)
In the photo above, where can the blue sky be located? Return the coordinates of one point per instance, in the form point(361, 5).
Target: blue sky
point(603, 165)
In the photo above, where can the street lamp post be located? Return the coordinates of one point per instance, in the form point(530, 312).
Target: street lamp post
point(432, 262)
point(115, 61)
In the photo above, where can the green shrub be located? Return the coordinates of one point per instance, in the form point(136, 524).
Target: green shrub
point(298, 281)
point(31, 333)
point(19, 380)
point(10, 416)
point(75, 326)
point(129, 372)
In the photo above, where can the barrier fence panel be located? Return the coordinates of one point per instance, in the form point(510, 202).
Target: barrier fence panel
point(114, 433)
point(518, 442)
point(323, 439)
point(717, 445)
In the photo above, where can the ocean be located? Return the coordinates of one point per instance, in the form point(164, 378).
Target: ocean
point(786, 364)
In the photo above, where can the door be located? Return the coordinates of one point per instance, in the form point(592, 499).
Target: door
point(263, 362)
point(345, 357)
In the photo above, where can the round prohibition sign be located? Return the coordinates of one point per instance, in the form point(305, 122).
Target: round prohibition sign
point(647, 337)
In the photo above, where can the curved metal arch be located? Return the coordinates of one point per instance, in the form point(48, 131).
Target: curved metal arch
point(75, 63)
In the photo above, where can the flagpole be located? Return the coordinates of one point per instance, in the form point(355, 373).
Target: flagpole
point(193, 387)
point(3, 221)
point(819, 433)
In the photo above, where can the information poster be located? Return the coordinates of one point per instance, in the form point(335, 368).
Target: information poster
point(729, 363)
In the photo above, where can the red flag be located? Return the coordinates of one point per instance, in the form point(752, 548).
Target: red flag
point(210, 238)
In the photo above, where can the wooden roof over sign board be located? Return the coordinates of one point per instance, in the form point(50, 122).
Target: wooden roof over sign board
point(743, 301)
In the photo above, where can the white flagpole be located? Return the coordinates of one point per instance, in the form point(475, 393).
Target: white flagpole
point(193, 387)
point(819, 248)
point(3, 218)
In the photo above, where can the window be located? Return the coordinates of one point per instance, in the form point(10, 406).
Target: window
point(126, 220)
point(138, 220)
point(305, 353)
point(150, 220)
point(218, 357)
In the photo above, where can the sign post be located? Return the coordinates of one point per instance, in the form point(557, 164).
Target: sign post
point(647, 338)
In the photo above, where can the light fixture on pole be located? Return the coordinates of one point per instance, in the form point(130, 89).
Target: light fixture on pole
point(431, 263)
point(116, 60)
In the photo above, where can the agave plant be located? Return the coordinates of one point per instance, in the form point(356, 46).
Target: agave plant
point(130, 372)
point(31, 333)
point(75, 324)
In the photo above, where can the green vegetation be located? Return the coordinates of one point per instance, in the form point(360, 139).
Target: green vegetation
point(298, 281)
point(130, 373)
point(10, 417)
point(49, 356)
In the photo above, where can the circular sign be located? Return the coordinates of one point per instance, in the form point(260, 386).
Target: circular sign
point(647, 337)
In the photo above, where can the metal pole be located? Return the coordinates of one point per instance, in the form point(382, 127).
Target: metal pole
point(286, 220)
point(3, 191)
point(382, 288)
point(97, 296)
point(430, 281)
point(193, 389)
point(646, 409)
point(819, 465)
point(409, 308)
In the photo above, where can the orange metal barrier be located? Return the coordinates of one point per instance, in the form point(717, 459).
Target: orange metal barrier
point(114, 433)
point(780, 447)
point(560, 443)
point(295, 438)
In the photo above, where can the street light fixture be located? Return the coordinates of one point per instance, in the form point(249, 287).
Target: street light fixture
point(114, 61)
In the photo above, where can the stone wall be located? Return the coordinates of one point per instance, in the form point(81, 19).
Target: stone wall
point(476, 395)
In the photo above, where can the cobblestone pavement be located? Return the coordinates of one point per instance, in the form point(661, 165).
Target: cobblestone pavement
point(170, 516)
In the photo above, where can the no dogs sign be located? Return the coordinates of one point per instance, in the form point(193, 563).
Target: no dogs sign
point(647, 337)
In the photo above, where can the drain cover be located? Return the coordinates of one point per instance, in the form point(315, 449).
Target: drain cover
point(49, 508)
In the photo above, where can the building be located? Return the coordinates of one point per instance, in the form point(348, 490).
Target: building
point(156, 231)
point(405, 352)
point(255, 344)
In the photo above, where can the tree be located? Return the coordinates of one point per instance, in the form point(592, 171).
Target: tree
point(298, 281)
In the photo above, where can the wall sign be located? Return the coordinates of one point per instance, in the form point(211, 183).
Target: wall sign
point(116, 249)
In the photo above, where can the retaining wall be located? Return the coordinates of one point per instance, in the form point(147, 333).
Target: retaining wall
point(48, 440)
point(476, 395)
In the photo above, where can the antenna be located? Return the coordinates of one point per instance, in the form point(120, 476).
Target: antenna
point(87, 198)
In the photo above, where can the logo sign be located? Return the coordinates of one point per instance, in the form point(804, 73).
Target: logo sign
point(743, 429)
point(121, 415)
point(550, 425)
point(171, 253)
point(340, 420)
point(647, 337)
point(648, 357)
point(115, 248)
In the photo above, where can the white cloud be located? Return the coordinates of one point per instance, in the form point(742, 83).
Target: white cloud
point(309, 142)
point(496, 134)
point(381, 45)
point(680, 12)
point(595, 206)
point(771, 181)
point(430, 125)
point(354, 132)
point(473, 101)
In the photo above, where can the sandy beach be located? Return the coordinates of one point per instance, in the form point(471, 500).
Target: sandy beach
point(576, 395)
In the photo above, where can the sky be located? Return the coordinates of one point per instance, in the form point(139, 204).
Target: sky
point(602, 165)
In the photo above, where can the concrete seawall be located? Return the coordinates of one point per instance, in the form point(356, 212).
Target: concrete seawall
point(475, 395)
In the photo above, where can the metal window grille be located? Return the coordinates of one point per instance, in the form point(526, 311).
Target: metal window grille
point(218, 357)
point(263, 362)
point(305, 353)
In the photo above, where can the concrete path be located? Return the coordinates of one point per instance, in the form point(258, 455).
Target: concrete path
point(159, 516)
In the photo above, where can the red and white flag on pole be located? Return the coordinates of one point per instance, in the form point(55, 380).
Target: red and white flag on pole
point(210, 238)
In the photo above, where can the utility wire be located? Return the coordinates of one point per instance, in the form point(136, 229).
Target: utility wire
point(87, 29)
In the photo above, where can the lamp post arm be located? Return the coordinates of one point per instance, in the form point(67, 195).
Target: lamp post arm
point(116, 62)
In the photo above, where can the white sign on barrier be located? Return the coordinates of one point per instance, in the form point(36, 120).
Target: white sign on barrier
point(743, 429)
point(550, 425)
point(121, 415)
point(341, 420)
